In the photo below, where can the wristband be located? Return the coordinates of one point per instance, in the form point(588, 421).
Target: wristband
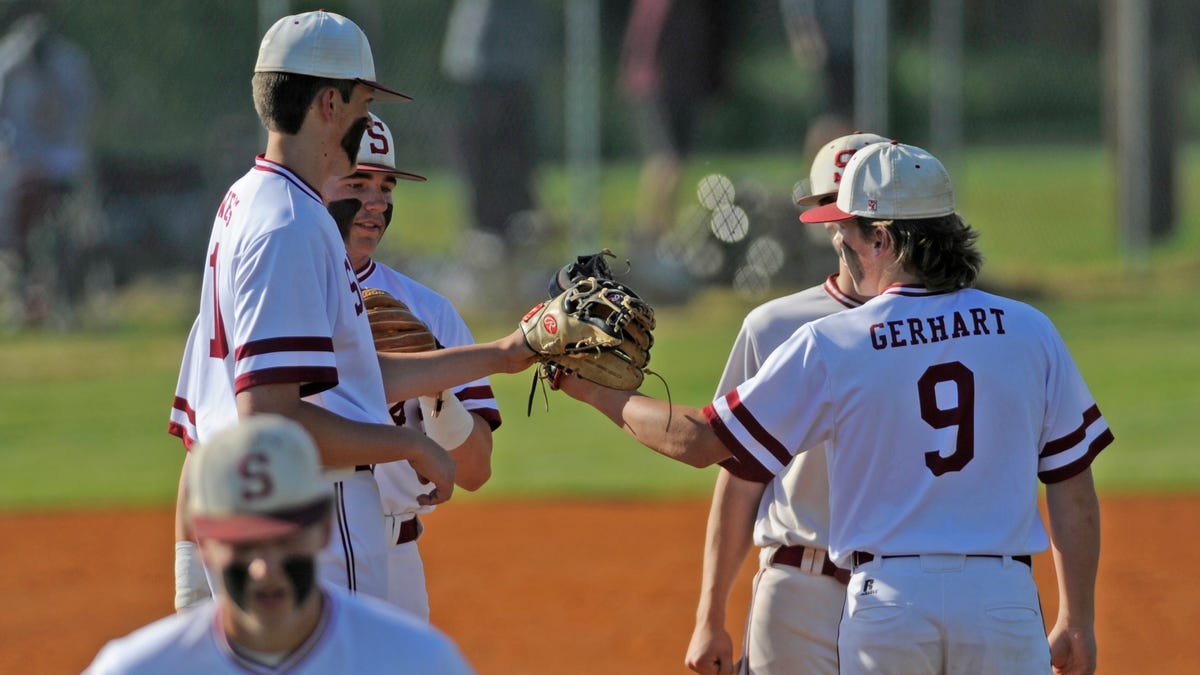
point(450, 427)
point(191, 586)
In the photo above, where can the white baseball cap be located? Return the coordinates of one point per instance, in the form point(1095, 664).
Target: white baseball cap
point(257, 479)
point(830, 164)
point(321, 44)
point(889, 181)
point(377, 153)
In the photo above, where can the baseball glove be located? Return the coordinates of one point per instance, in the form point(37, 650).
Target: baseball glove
point(597, 328)
point(593, 265)
point(394, 326)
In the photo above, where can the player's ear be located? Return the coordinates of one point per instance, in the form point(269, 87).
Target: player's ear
point(881, 239)
point(325, 103)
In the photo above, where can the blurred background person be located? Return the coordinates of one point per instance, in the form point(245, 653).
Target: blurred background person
point(46, 98)
point(494, 132)
point(820, 34)
point(672, 65)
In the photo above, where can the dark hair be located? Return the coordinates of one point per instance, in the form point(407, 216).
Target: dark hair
point(282, 99)
point(940, 251)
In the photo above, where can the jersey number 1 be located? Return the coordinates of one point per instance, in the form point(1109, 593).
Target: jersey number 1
point(961, 415)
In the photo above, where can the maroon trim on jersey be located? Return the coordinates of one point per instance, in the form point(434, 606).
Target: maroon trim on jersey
point(482, 392)
point(366, 271)
point(911, 290)
point(1073, 438)
point(180, 403)
point(312, 379)
point(261, 163)
point(283, 344)
point(397, 413)
point(742, 464)
point(832, 290)
point(766, 440)
point(177, 429)
point(1064, 472)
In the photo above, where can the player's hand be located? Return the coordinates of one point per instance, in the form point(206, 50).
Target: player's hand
point(433, 465)
point(710, 651)
point(1072, 650)
point(518, 356)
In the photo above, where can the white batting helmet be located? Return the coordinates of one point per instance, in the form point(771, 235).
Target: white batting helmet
point(377, 152)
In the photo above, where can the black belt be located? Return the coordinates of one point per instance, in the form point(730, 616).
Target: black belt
point(862, 558)
point(793, 556)
point(409, 531)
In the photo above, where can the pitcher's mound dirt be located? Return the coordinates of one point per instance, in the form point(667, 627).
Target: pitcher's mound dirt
point(551, 588)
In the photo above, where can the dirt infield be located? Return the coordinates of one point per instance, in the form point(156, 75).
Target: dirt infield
point(554, 588)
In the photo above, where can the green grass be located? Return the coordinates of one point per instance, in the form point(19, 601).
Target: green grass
point(83, 416)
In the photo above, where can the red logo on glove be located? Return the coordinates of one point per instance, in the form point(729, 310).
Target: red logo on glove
point(530, 313)
point(550, 324)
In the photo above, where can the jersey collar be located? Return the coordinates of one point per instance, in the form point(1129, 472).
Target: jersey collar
point(910, 290)
point(366, 271)
point(261, 163)
point(831, 288)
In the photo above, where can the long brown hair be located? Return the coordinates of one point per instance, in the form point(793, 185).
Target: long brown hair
point(940, 251)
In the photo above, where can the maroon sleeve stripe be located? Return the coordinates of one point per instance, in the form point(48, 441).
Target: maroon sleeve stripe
point(489, 415)
point(284, 344)
point(180, 403)
point(760, 434)
point(177, 429)
point(749, 472)
point(1075, 437)
point(742, 464)
point(312, 379)
point(1064, 472)
point(476, 393)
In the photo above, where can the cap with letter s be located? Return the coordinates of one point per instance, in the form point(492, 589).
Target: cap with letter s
point(889, 181)
point(377, 153)
point(256, 480)
point(829, 166)
point(321, 44)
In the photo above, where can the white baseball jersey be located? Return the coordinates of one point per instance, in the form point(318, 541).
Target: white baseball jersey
point(795, 506)
point(356, 634)
point(398, 483)
point(940, 410)
point(281, 304)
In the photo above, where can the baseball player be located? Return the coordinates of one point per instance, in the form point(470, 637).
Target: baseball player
point(281, 327)
point(261, 510)
point(942, 406)
point(798, 592)
point(469, 412)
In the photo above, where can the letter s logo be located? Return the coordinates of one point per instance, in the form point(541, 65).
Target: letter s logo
point(256, 477)
point(379, 139)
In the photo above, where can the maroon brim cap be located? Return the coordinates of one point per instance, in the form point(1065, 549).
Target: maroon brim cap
point(379, 168)
point(257, 526)
point(385, 93)
point(830, 213)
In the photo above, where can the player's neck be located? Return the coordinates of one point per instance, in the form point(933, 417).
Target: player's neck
point(306, 156)
point(248, 632)
point(845, 284)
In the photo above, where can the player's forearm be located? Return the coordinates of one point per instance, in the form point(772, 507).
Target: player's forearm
point(407, 376)
point(1074, 515)
point(675, 431)
point(181, 530)
point(727, 541)
point(474, 457)
point(341, 442)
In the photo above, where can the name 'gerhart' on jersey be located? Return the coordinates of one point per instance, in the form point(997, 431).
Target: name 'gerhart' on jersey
point(919, 331)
